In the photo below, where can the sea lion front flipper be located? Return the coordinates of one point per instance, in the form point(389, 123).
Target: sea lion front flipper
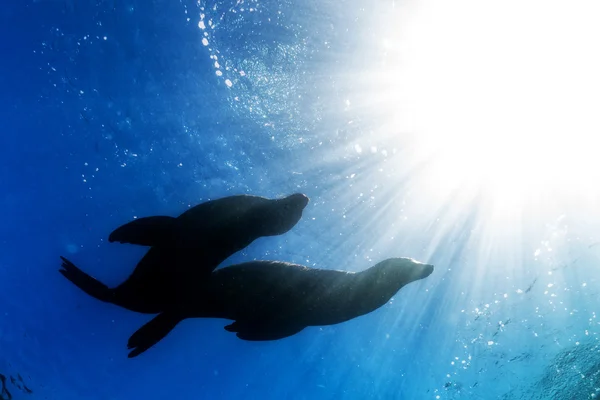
point(152, 332)
point(147, 231)
point(263, 330)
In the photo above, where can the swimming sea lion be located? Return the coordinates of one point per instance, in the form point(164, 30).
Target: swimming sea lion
point(188, 248)
point(270, 300)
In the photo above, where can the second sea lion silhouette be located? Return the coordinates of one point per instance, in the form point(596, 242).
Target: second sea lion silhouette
point(270, 300)
point(188, 248)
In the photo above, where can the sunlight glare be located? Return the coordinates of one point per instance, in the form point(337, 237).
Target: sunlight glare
point(499, 97)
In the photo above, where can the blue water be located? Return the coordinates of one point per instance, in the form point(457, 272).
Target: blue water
point(115, 109)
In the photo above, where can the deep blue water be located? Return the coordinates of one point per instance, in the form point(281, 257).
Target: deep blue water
point(114, 109)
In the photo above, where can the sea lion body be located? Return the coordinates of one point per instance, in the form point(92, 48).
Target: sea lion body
point(264, 290)
point(270, 300)
point(188, 248)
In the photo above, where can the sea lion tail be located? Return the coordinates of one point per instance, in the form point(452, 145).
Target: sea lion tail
point(152, 332)
point(85, 282)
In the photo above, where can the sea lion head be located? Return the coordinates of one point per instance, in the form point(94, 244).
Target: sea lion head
point(383, 280)
point(283, 214)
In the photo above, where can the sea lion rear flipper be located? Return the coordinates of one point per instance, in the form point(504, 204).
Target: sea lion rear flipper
point(148, 231)
point(263, 330)
point(152, 332)
point(85, 282)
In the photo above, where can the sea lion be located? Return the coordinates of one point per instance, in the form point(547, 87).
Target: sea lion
point(270, 300)
point(188, 248)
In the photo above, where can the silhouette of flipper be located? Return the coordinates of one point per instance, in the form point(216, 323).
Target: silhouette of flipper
point(263, 330)
point(85, 282)
point(152, 332)
point(148, 231)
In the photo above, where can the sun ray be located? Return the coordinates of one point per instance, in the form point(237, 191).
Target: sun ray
point(497, 102)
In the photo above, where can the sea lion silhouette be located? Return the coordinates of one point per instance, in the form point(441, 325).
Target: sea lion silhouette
point(270, 300)
point(188, 248)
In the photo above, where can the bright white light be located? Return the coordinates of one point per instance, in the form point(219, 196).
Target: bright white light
point(501, 97)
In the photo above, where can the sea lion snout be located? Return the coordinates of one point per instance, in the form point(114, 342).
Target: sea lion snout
point(427, 270)
point(407, 269)
point(282, 214)
point(300, 199)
